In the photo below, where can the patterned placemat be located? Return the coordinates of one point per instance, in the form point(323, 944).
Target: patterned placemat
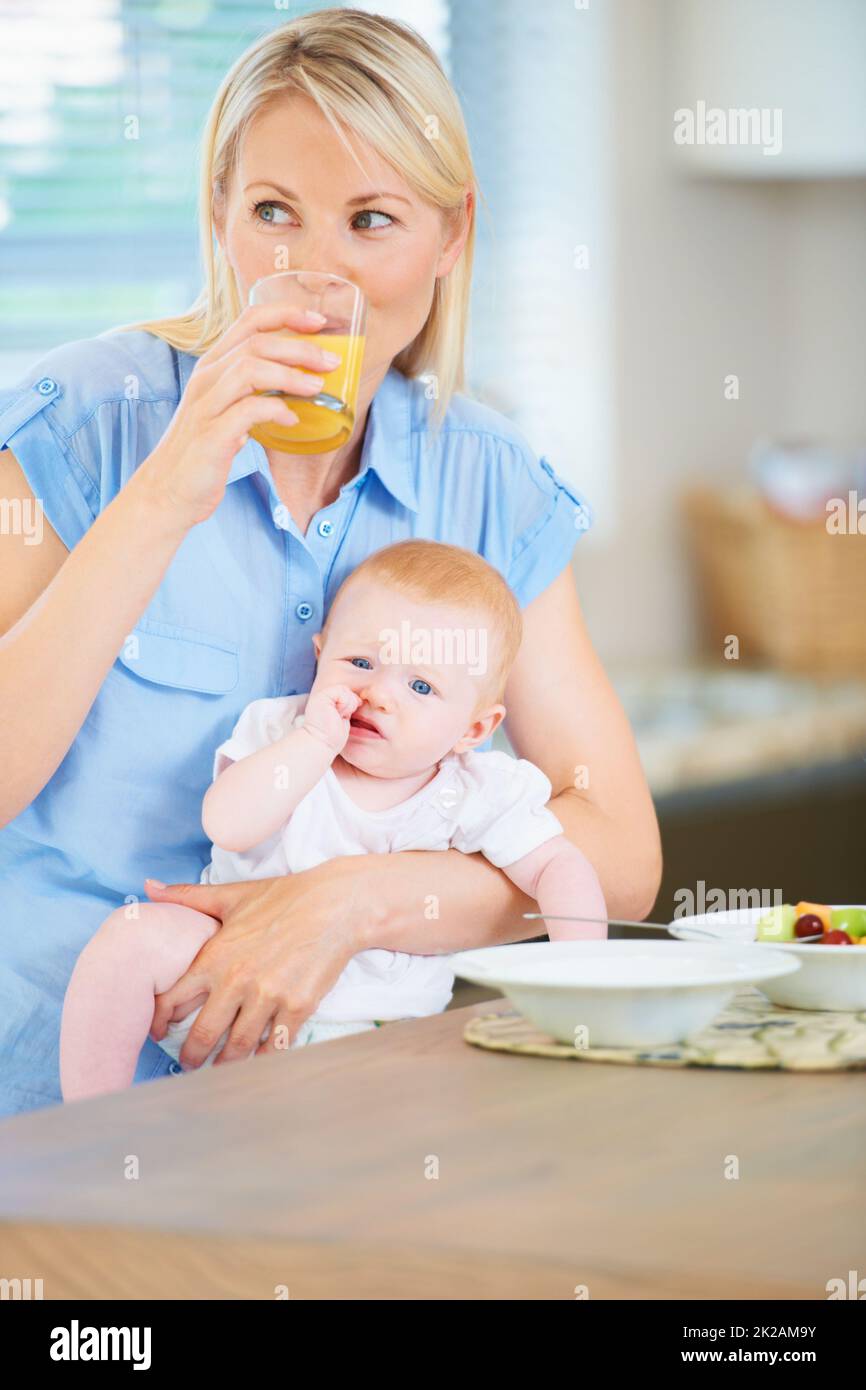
point(751, 1032)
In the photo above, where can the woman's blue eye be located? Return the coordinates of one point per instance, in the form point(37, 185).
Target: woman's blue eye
point(366, 212)
point(257, 207)
point(362, 662)
point(427, 688)
point(373, 212)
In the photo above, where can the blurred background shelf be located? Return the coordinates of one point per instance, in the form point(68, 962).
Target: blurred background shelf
point(700, 728)
point(759, 780)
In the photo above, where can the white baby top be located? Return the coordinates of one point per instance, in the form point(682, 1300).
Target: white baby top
point(487, 802)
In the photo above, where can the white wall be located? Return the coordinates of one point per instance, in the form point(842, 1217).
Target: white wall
point(712, 277)
point(825, 306)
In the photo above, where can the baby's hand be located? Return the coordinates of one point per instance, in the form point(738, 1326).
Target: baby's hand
point(327, 714)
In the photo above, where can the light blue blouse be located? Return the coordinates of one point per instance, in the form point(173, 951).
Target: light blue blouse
point(231, 622)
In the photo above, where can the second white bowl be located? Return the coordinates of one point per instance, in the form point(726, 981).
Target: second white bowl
point(830, 977)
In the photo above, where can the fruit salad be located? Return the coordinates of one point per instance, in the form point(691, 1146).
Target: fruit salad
point(833, 926)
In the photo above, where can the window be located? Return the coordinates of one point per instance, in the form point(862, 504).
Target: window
point(101, 109)
point(531, 79)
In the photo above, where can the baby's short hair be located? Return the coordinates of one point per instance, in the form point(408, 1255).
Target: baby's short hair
point(436, 573)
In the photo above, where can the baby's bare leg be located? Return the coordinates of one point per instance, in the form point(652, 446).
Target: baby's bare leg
point(108, 1008)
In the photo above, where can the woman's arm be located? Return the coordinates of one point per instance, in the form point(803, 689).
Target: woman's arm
point(68, 612)
point(564, 715)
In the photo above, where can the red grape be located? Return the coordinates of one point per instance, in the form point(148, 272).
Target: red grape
point(809, 924)
point(835, 938)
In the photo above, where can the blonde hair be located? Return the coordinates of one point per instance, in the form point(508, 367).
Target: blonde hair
point(380, 79)
point(435, 573)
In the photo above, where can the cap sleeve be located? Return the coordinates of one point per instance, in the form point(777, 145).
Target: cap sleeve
point(261, 722)
point(33, 426)
point(550, 517)
point(503, 813)
point(82, 419)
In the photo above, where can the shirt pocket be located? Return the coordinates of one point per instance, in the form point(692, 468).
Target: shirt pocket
point(183, 657)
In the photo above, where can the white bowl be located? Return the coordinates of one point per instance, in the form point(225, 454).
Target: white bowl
point(622, 993)
point(830, 977)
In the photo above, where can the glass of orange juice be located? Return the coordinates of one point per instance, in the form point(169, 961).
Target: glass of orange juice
point(326, 420)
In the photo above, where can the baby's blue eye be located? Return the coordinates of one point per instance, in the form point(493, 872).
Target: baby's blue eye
point(362, 662)
point(427, 688)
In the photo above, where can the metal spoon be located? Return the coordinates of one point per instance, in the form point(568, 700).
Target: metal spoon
point(653, 926)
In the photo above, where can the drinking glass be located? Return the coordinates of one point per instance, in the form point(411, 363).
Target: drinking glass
point(326, 420)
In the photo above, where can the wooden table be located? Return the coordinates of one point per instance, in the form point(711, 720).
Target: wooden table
point(312, 1171)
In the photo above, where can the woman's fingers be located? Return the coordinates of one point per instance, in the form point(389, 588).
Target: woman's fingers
point(265, 362)
point(188, 469)
point(213, 898)
point(245, 1038)
point(177, 1002)
point(284, 1029)
point(217, 1016)
point(280, 950)
point(261, 1013)
point(255, 410)
point(249, 374)
point(278, 346)
point(260, 318)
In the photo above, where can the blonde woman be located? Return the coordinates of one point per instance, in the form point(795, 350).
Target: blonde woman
point(184, 569)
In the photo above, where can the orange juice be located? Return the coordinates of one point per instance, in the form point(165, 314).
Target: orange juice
point(319, 429)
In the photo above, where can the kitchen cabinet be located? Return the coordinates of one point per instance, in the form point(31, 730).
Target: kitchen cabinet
point(802, 59)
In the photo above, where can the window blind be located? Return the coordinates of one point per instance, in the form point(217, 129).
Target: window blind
point(102, 104)
point(532, 80)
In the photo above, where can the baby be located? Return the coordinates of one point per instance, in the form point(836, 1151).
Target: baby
point(378, 757)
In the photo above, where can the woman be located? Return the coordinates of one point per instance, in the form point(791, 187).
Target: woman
point(207, 563)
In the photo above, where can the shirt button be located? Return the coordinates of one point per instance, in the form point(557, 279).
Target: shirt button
point(175, 1069)
point(325, 528)
point(46, 386)
point(304, 611)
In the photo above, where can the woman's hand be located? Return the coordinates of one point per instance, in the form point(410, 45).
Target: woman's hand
point(282, 946)
point(189, 467)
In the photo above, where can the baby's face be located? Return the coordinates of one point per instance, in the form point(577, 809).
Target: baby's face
point(419, 670)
